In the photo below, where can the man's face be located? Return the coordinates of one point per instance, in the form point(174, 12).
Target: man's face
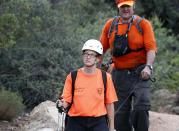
point(126, 11)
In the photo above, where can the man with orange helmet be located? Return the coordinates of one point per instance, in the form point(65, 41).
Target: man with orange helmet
point(133, 49)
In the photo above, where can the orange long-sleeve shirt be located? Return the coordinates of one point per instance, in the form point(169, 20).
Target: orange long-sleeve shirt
point(88, 97)
point(135, 39)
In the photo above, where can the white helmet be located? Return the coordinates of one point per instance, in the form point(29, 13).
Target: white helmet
point(94, 45)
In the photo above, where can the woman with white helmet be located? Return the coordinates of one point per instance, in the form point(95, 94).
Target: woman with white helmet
point(92, 98)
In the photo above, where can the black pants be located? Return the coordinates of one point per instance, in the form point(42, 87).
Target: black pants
point(133, 100)
point(87, 124)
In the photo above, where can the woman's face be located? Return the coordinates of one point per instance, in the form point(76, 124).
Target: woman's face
point(89, 58)
point(126, 11)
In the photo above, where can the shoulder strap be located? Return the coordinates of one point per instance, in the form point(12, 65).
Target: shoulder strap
point(115, 21)
point(104, 82)
point(140, 31)
point(73, 77)
point(112, 25)
point(138, 26)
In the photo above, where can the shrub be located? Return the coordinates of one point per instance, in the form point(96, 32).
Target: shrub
point(10, 105)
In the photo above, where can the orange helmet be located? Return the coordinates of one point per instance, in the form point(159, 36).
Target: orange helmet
point(124, 2)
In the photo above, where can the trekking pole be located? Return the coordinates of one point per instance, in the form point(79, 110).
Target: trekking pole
point(59, 117)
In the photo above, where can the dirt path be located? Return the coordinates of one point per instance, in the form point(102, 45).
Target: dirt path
point(158, 122)
point(16, 124)
point(163, 122)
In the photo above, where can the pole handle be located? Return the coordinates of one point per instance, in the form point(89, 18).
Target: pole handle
point(60, 110)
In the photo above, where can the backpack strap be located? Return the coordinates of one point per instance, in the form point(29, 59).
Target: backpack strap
point(140, 31)
point(73, 77)
point(104, 82)
point(115, 20)
point(136, 50)
point(112, 25)
point(138, 26)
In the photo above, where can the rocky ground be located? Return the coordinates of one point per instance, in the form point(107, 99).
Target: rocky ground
point(16, 124)
point(37, 120)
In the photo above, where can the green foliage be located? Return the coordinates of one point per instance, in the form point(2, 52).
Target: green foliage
point(162, 99)
point(48, 45)
point(10, 105)
point(8, 27)
point(41, 43)
point(43, 54)
point(166, 65)
point(165, 10)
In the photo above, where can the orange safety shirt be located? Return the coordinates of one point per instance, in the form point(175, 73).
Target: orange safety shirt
point(88, 97)
point(135, 39)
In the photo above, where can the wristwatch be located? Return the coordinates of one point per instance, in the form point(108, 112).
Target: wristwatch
point(150, 67)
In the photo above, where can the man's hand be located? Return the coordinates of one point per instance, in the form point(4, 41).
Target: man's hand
point(146, 73)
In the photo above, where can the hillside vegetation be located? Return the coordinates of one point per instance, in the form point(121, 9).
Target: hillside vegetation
point(41, 41)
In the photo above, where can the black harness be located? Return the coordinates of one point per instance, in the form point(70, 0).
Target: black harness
point(121, 46)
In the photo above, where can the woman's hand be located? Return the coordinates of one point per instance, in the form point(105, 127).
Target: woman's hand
point(62, 103)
